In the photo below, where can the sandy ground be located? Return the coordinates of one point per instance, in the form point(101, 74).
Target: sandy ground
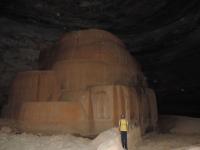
point(108, 140)
point(174, 133)
point(169, 142)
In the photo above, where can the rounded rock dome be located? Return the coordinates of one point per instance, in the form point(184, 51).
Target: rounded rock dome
point(85, 37)
point(105, 52)
point(90, 80)
point(93, 57)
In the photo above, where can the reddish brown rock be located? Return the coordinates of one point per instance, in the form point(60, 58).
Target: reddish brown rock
point(34, 86)
point(102, 51)
point(92, 80)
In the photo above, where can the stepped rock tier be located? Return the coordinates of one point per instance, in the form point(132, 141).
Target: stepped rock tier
point(86, 80)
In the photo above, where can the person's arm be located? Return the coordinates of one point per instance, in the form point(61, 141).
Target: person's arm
point(127, 126)
point(119, 125)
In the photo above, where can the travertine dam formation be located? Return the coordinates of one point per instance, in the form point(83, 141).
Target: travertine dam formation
point(86, 80)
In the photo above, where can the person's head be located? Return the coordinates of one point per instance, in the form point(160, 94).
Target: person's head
point(122, 115)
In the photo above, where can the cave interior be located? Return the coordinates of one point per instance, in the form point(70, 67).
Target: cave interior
point(163, 35)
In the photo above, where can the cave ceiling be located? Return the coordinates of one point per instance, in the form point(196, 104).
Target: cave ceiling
point(164, 35)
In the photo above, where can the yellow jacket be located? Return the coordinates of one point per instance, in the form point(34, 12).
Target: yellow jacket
point(123, 125)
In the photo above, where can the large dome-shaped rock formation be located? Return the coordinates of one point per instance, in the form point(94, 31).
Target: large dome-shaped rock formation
point(87, 79)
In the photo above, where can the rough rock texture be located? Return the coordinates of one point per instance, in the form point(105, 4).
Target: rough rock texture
point(91, 83)
point(19, 48)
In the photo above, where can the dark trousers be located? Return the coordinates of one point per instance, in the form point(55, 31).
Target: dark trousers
point(124, 139)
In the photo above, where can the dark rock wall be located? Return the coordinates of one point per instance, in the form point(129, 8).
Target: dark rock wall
point(162, 34)
point(20, 45)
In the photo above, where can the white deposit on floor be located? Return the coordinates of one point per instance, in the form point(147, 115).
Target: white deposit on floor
point(108, 140)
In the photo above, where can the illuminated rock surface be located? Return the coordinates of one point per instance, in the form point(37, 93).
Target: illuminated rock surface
point(86, 81)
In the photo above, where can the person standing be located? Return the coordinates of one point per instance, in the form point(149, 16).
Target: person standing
point(123, 128)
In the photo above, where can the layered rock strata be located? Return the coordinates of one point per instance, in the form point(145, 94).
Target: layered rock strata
point(85, 82)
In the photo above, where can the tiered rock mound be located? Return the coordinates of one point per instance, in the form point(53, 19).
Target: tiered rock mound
point(87, 80)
